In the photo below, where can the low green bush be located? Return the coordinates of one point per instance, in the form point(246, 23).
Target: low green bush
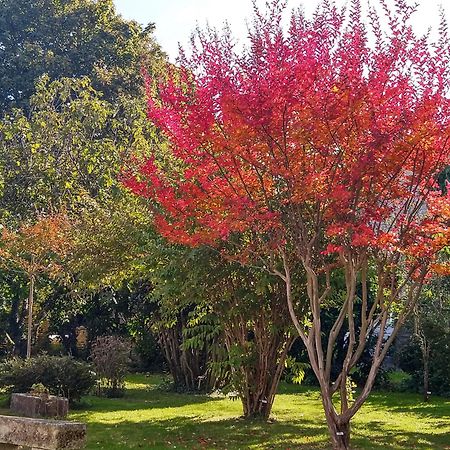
point(397, 381)
point(60, 375)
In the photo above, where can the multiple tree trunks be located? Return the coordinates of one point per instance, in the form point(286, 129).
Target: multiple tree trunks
point(267, 351)
point(39, 406)
point(264, 342)
point(375, 316)
point(40, 434)
point(261, 383)
point(187, 366)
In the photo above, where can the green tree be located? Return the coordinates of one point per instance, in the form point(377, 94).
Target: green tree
point(219, 324)
point(65, 153)
point(113, 243)
point(431, 335)
point(67, 149)
point(70, 38)
point(234, 315)
point(62, 139)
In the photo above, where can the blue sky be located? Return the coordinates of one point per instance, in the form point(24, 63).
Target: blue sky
point(175, 19)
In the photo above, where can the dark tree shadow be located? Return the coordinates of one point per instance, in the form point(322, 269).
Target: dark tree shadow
point(234, 434)
point(380, 438)
point(437, 407)
point(194, 433)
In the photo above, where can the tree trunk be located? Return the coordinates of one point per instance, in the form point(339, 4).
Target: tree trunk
point(187, 366)
point(30, 316)
point(15, 330)
point(339, 431)
point(265, 355)
point(259, 394)
point(425, 350)
point(426, 371)
point(256, 405)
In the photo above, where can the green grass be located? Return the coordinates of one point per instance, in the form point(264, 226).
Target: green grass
point(148, 418)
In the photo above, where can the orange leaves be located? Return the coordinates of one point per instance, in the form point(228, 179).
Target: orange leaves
point(442, 269)
point(38, 247)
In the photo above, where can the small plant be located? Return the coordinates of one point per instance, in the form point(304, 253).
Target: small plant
point(39, 390)
point(295, 370)
point(111, 357)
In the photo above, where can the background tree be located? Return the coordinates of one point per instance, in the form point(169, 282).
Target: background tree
point(64, 154)
point(13, 311)
point(194, 296)
point(110, 293)
point(427, 355)
point(67, 150)
point(62, 143)
point(36, 249)
point(70, 38)
point(237, 316)
point(318, 149)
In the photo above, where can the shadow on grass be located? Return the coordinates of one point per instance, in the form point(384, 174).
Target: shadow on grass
point(136, 399)
point(437, 407)
point(233, 434)
point(194, 433)
point(375, 435)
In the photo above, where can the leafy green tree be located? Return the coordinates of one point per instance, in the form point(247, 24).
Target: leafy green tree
point(66, 153)
point(218, 323)
point(113, 243)
point(431, 336)
point(67, 150)
point(235, 315)
point(110, 291)
point(70, 38)
point(71, 105)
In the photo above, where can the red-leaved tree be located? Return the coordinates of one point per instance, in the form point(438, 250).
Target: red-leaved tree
point(318, 145)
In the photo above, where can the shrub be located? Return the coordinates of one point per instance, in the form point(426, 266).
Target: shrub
point(111, 357)
point(60, 375)
point(397, 381)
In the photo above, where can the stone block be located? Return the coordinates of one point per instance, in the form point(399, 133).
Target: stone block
point(39, 406)
point(42, 434)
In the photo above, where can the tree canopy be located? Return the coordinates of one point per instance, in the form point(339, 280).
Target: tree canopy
point(71, 107)
point(70, 38)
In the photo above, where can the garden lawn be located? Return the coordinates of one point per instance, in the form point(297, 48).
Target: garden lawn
point(149, 418)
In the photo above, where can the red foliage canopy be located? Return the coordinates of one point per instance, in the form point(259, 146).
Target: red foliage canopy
point(332, 128)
